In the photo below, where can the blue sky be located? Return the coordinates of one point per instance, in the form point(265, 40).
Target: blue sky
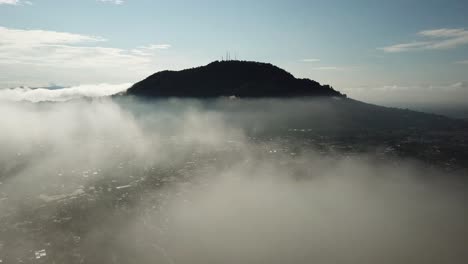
point(369, 49)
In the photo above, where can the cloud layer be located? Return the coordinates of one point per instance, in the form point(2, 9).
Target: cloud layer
point(93, 181)
point(64, 94)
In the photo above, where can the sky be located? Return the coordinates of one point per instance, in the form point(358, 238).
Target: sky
point(401, 51)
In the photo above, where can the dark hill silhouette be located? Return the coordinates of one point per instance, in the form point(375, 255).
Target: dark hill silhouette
point(229, 78)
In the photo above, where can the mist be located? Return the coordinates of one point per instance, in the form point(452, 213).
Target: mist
point(186, 181)
point(447, 99)
point(64, 94)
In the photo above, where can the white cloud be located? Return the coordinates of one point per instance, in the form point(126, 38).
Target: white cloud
point(460, 85)
point(31, 38)
point(115, 2)
point(72, 57)
point(150, 49)
point(32, 51)
point(156, 46)
point(9, 2)
point(65, 94)
point(60, 49)
point(444, 38)
point(327, 68)
point(406, 46)
point(15, 2)
point(310, 60)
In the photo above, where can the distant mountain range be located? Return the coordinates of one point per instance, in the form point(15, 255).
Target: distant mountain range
point(243, 79)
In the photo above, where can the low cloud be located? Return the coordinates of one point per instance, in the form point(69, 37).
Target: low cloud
point(64, 94)
point(434, 39)
point(94, 181)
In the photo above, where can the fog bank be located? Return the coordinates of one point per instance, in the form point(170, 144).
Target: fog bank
point(174, 181)
point(64, 94)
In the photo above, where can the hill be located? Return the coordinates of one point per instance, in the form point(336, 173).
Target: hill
point(243, 79)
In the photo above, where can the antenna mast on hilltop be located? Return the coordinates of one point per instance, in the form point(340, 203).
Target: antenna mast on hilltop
point(228, 57)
